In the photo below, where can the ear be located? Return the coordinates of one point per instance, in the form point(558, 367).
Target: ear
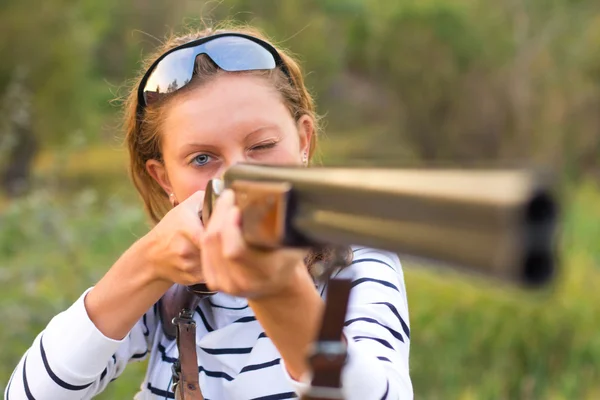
point(158, 172)
point(306, 130)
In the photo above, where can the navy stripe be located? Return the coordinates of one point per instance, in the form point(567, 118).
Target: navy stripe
point(361, 260)
point(114, 357)
point(55, 378)
point(260, 366)
point(139, 355)
point(9, 383)
point(323, 290)
point(382, 341)
point(227, 308)
point(359, 249)
point(215, 374)
point(262, 335)
point(163, 354)
point(397, 314)
point(384, 359)
point(278, 396)
point(104, 373)
point(27, 391)
point(204, 321)
point(160, 392)
point(384, 283)
point(387, 389)
point(332, 277)
point(245, 319)
point(241, 350)
point(218, 374)
point(397, 335)
point(145, 326)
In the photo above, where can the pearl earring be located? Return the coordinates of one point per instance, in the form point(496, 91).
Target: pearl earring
point(172, 199)
point(305, 158)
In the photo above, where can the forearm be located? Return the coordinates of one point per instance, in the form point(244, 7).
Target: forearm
point(72, 359)
point(125, 293)
point(291, 319)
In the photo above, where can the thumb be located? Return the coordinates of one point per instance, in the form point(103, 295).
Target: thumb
point(193, 215)
point(194, 202)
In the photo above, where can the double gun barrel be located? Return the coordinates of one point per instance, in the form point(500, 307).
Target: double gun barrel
point(495, 223)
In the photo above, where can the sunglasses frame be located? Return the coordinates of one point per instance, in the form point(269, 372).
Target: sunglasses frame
point(277, 58)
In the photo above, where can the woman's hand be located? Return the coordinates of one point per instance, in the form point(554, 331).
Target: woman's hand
point(174, 243)
point(231, 266)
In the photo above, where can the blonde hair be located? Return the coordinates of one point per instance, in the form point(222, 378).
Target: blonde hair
point(143, 137)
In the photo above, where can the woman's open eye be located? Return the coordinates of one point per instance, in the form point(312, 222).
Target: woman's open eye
point(201, 159)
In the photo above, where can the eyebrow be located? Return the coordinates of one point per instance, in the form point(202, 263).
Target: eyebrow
point(208, 147)
point(261, 129)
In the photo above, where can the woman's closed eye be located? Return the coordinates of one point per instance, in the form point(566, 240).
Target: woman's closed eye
point(264, 146)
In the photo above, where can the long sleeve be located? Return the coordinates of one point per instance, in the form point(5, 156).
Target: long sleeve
point(377, 329)
point(72, 359)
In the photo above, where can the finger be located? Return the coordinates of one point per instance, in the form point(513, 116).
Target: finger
point(206, 257)
point(211, 246)
point(232, 240)
point(195, 198)
point(194, 202)
point(224, 203)
point(191, 221)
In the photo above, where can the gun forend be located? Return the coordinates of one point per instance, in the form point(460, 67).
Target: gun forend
point(497, 223)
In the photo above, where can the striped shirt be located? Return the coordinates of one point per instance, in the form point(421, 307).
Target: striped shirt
point(72, 359)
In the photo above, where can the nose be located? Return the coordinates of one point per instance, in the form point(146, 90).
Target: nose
point(233, 159)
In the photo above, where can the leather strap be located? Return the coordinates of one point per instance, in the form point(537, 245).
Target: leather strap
point(187, 385)
point(169, 307)
point(176, 309)
point(329, 353)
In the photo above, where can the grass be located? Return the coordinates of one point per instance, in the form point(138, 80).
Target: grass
point(471, 339)
point(474, 340)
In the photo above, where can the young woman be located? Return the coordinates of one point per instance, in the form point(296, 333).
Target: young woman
point(207, 101)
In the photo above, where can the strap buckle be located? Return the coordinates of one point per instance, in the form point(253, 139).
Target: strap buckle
point(185, 316)
point(175, 371)
point(329, 349)
point(323, 392)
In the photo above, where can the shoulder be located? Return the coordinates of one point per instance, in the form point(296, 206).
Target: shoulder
point(368, 255)
point(371, 268)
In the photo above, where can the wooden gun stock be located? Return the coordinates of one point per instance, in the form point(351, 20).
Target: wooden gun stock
point(496, 223)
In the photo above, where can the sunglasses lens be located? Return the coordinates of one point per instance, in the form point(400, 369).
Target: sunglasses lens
point(172, 72)
point(233, 53)
point(230, 53)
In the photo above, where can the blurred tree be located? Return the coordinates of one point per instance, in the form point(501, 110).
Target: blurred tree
point(43, 76)
point(427, 80)
point(57, 59)
point(17, 141)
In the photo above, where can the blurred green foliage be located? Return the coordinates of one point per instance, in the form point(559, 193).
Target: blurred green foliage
point(471, 339)
point(400, 82)
point(455, 81)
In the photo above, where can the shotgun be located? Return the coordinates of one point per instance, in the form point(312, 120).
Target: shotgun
point(496, 223)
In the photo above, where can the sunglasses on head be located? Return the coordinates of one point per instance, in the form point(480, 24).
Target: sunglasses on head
point(229, 51)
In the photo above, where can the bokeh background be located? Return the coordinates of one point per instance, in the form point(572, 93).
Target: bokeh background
point(404, 83)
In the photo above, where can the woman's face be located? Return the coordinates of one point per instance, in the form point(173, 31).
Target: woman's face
point(231, 119)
